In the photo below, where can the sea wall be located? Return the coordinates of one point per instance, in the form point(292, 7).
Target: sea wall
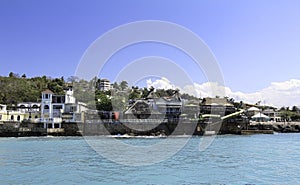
point(16, 129)
point(106, 127)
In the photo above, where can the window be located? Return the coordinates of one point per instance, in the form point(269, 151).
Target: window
point(46, 107)
point(57, 106)
point(19, 118)
point(36, 117)
point(46, 96)
point(12, 117)
point(58, 99)
point(0, 117)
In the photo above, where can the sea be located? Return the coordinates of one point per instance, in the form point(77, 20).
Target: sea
point(229, 159)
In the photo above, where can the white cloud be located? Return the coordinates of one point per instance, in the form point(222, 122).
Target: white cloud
point(162, 83)
point(278, 94)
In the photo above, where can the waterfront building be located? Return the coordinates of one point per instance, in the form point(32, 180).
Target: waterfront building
point(10, 115)
point(31, 110)
point(28, 107)
point(252, 111)
point(217, 106)
point(104, 85)
point(273, 115)
point(156, 107)
point(58, 108)
point(190, 109)
point(260, 117)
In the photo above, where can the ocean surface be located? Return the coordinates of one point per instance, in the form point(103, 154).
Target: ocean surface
point(230, 159)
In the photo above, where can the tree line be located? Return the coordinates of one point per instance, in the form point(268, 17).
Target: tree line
point(15, 88)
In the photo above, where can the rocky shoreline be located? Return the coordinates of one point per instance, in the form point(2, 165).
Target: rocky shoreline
point(13, 129)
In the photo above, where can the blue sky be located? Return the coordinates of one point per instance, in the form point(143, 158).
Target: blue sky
point(255, 42)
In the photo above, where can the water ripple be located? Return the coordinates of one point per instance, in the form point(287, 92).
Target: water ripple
point(257, 159)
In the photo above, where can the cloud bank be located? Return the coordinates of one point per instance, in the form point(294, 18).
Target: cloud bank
point(278, 94)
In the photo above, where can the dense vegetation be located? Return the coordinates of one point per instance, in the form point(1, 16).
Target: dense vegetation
point(15, 88)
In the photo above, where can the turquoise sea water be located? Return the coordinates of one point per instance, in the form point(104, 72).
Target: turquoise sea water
point(255, 159)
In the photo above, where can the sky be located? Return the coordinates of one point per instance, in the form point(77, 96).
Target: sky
point(256, 43)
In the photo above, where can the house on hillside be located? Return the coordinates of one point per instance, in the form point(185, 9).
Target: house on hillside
point(104, 85)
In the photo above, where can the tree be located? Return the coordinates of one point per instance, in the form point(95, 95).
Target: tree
point(285, 113)
point(295, 109)
point(135, 93)
point(161, 93)
point(116, 86)
point(145, 92)
point(124, 85)
point(13, 75)
point(103, 103)
point(188, 97)
point(73, 79)
point(170, 92)
point(118, 103)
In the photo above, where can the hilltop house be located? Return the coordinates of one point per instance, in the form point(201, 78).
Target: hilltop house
point(104, 85)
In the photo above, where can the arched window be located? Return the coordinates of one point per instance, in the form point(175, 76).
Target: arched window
point(12, 117)
point(46, 107)
point(36, 117)
point(35, 106)
point(19, 118)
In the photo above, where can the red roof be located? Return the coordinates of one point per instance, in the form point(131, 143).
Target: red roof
point(47, 91)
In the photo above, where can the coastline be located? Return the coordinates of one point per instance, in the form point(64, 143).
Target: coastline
point(163, 129)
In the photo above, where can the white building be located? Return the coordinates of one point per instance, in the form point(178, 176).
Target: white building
point(273, 114)
point(104, 85)
point(30, 109)
point(253, 111)
point(10, 115)
point(26, 107)
point(53, 107)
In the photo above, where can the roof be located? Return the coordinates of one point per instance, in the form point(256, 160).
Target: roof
point(216, 102)
point(260, 115)
point(104, 80)
point(47, 91)
point(253, 109)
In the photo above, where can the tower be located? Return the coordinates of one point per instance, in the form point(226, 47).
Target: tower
point(46, 107)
